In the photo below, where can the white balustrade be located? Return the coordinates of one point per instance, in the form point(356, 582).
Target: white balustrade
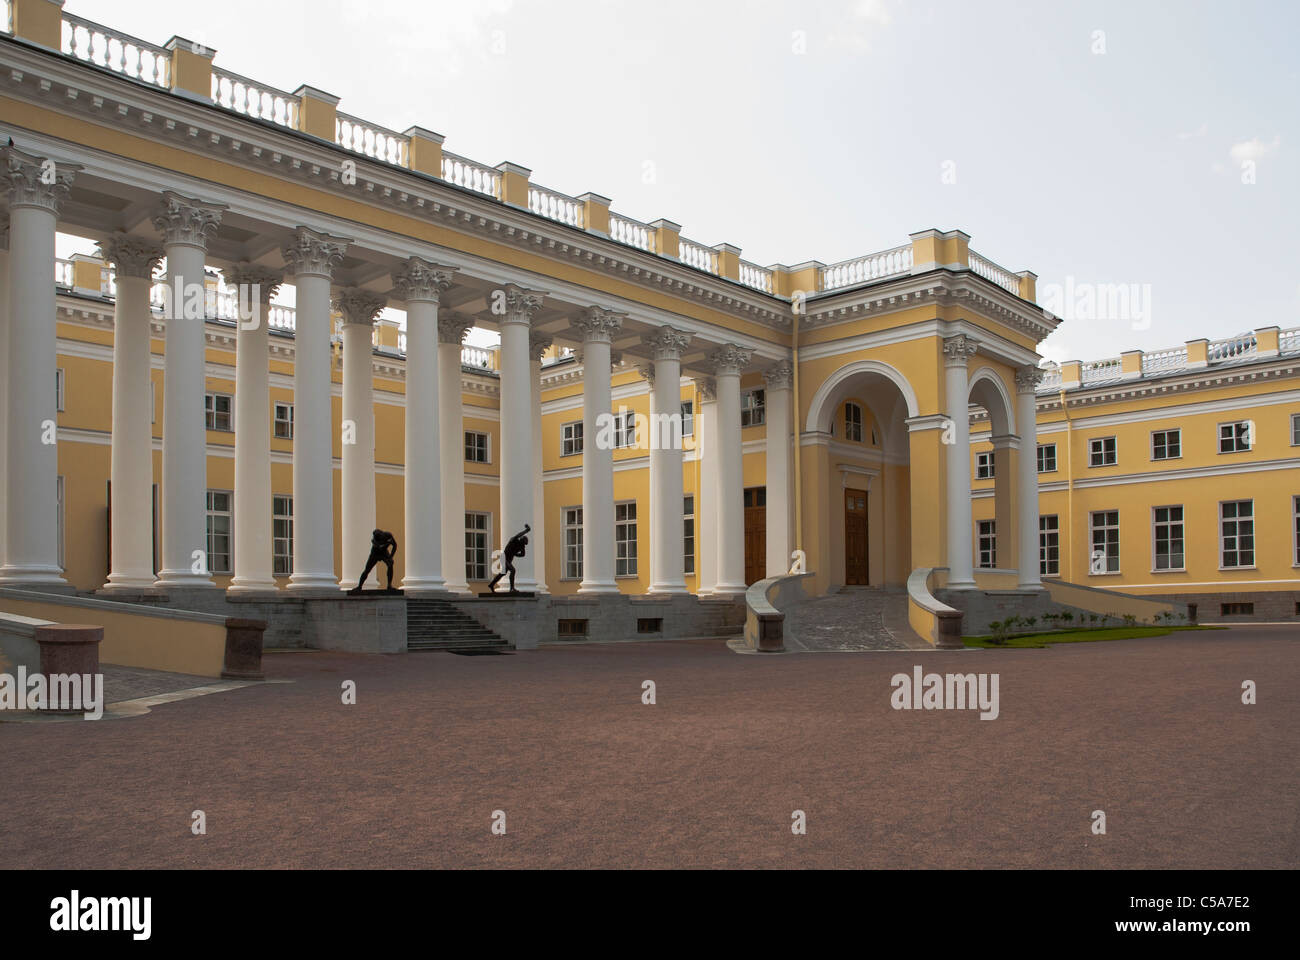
point(471, 175)
point(1051, 379)
point(1232, 348)
point(555, 206)
point(1162, 361)
point(752, 275)
point(253, 99)
point(1094, 370)
point(6, 14)
point(116, 51)
point(874, 266)
point(989, 270)
point(371, 140)
point(632, 233)
point(63, 273)
point(699, 257)
point(482, 357)
point(1288, 341)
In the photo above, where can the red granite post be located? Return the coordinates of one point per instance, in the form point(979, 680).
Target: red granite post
point(68, 649)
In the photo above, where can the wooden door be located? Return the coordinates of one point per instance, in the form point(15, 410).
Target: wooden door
point(755, 534)
point(855, 537)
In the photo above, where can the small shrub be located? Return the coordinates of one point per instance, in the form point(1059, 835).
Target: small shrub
point(999, 629)
point(1130, 619)
point(1030, 621)
point(1067, 616)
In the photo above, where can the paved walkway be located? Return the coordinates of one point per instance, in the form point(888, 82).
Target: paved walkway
point(1152, 731)
point(854, 620)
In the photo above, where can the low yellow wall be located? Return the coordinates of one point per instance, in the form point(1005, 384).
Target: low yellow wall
point(1104, 601)
point(138, 637)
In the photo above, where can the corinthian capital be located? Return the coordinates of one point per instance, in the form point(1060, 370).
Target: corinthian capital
point(538, 343)
point(452, 327)
point(779, 376)
point(667, 343)
point(421, 280)
point(958, 350)
point(517, 305)
point(708, 389)
point(729, 359)
point(313, 254)
point(184, 220)
point(1028, 379)
point(255, 276)
point(130, 256)
point(598, 325)
point(359, 306)
point(33, 181)
point(647, 371)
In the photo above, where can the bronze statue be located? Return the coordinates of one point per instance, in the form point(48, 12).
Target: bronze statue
point(514, 548)
point(383, 547)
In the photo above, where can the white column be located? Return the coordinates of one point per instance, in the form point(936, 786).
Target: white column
point(706, 497)
point(1027, 380)
point(36, 189)
point(538, 343)
point(957, 353)
point(131, 471)
point(451, 449)
point(421, 284)
point(4, 380)
point(359, 308)
point(186, 226)
point(255, 286)
point(598, 328)
point(667, 566)
point(777, 398)
point(728, 361)
point(517, 464)
point(312, 258)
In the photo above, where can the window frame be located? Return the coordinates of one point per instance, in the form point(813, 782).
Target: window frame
point(986, 543)
point(1114, 452)
point(487, 446)
point(688, 534)
point(753, 407)
point(688, 418)
point(277, 420)
point(629, 562)
point(60, 388)
point(1178, 431)
point(1295, 429)
point(1044, 561)
point(1093, 528)
point(571, 546)
point(1236, 437)
point(211, 413)
point(852, 427)
point(571, 440)
point(1156, 524)
point(472, 567)
point(985, 465)
point(1041, 459)
point(625, 429)
point(210, 514)
point(277, 517)
point(1223, 536)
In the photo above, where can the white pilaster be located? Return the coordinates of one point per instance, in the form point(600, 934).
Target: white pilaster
point(517, 463)
point(421, 284)
point(4, 380)
point(131, 459)
point(957, 353)
point(451, 449)
point(186, 226)
point(255, 286)
point(728, 361)
point(598, 328)
point(32, 460)
point(359, 308)
point(777, 397)
point(538, 343)
point(667, 566)
point(311, 258)
point(706, 505)
point(1027, 380)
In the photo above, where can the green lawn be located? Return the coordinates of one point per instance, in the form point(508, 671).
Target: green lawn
point(1039, 641)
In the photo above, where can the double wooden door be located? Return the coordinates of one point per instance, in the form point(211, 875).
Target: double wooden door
point(855, 537)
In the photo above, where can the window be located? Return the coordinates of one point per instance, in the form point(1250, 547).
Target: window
point(1237, 533)
point(217, 410)
point(572, 543)
point(984, 465)
point(60, 382)
point(649, 624)
point(1105, 542)
point(477, 526)
point(1047, 458)
point(59, 524)
point(571, 439)
point(1101, 452)
point(283, 421)
point(153, 402)
point(281, 535)
point(1167, 531)
point(753, 408)
point(755, 497)
point(476, 447)
point(1049, 546)
point(1295, 429)
point(624, 429)
point(1295, 502)
point(688, 532)
point(219, 530)
point(625, 539)
point(1236, 609)
point(688, 418)
point(1166, 444)
point(853, 422)
point(571, 628)
point(1236, 437)
point(988, 544)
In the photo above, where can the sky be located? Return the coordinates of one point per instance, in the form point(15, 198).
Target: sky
point(1135, 146)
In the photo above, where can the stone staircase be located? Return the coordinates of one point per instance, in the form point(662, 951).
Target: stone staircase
point(437, 625)
point(854, 619)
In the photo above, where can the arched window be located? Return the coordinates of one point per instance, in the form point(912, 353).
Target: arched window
point(853, 422)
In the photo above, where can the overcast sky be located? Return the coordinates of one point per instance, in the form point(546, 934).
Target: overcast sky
point(1091, 142)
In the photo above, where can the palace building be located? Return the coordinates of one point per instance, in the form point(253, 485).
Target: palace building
point(884, 421)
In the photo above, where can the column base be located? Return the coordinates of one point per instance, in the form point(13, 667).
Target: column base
point(425, 587)
point(122, 583)
point(729, 590)
point(960, 585)
point(12, 575)
point(183, 578)
point(598, 586)
point(667, 588)
point(242, 587)
point(1036, 586)
point(314, 582)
